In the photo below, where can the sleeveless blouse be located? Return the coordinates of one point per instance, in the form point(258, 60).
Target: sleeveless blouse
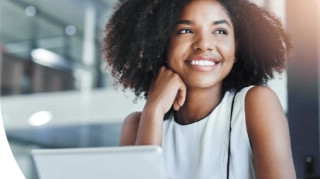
point(200, 150)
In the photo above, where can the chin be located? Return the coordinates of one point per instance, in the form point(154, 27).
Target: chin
point(202, 84)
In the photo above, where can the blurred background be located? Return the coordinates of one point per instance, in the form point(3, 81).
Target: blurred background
point(57, 93)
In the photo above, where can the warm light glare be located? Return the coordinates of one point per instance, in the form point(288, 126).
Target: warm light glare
point(40, 118)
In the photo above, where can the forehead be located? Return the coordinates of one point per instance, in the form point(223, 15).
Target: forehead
point(199, 9)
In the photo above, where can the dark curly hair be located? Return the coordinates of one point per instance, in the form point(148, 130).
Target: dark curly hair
point(138, 34)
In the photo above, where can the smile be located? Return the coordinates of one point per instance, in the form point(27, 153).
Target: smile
point(203, 62)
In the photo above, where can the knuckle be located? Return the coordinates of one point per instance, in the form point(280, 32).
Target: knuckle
point(176, 76)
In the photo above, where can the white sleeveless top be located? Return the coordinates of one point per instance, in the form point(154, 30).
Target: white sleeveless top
point(200, 150)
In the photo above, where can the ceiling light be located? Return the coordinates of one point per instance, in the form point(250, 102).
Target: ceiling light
point(50, 59)
point(70, 30)
point(40, 118)
point(31, 11)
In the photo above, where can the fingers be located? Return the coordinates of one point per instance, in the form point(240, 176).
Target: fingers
point(182, 93)
point(170, 83)
point(160, 72)
point(176, 107)
point(176, 104)
point(181, 96)
point(162, 69)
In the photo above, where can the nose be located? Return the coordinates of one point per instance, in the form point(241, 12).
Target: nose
point(203, 43)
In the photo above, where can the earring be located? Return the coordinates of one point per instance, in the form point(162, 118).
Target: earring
point(234, 60)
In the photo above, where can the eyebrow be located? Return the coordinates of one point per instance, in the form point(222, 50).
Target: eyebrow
point(188, 22)
point(221, 22)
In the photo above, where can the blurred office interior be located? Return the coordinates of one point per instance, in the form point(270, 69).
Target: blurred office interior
point(57, 93)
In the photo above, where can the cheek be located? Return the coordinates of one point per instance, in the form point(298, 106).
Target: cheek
point(228, 51)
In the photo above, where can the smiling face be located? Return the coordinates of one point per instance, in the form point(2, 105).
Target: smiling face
point(202, 44)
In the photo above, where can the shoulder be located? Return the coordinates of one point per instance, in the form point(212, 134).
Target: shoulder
point(260, 91)
point(262, 109)
point(262, 103)
point(268, 132)
point(129, 129)
point(255, 96)
point(132, 118)
point(260, 96)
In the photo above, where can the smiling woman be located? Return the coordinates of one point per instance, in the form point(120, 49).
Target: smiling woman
point(201, 65)
point(198, 38)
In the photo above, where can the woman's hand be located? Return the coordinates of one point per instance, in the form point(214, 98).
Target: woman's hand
point(166, 90)
point(145, 128)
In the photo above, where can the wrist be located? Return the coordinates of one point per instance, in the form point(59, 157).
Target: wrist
point(155, 109)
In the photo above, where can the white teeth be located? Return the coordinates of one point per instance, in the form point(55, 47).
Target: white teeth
point(202, 62)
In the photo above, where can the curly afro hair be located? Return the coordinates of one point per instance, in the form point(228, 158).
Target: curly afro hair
point(138, 34)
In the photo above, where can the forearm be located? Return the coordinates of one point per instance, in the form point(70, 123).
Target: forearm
point(150, 127)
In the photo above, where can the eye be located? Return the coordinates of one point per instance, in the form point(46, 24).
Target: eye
point(184, 31)
point(221, 31)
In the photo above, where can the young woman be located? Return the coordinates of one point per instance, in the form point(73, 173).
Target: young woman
point(201, 65)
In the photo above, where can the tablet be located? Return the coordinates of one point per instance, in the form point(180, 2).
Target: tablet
point(134, 162)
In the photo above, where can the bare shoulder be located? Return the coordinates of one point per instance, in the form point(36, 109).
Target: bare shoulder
point(263, 110)
point(129, 129)
point(263, 100)
point(258, 93)
point(262, 107)
point(268, 132)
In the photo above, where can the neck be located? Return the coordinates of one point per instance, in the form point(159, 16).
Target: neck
point(199, 103)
